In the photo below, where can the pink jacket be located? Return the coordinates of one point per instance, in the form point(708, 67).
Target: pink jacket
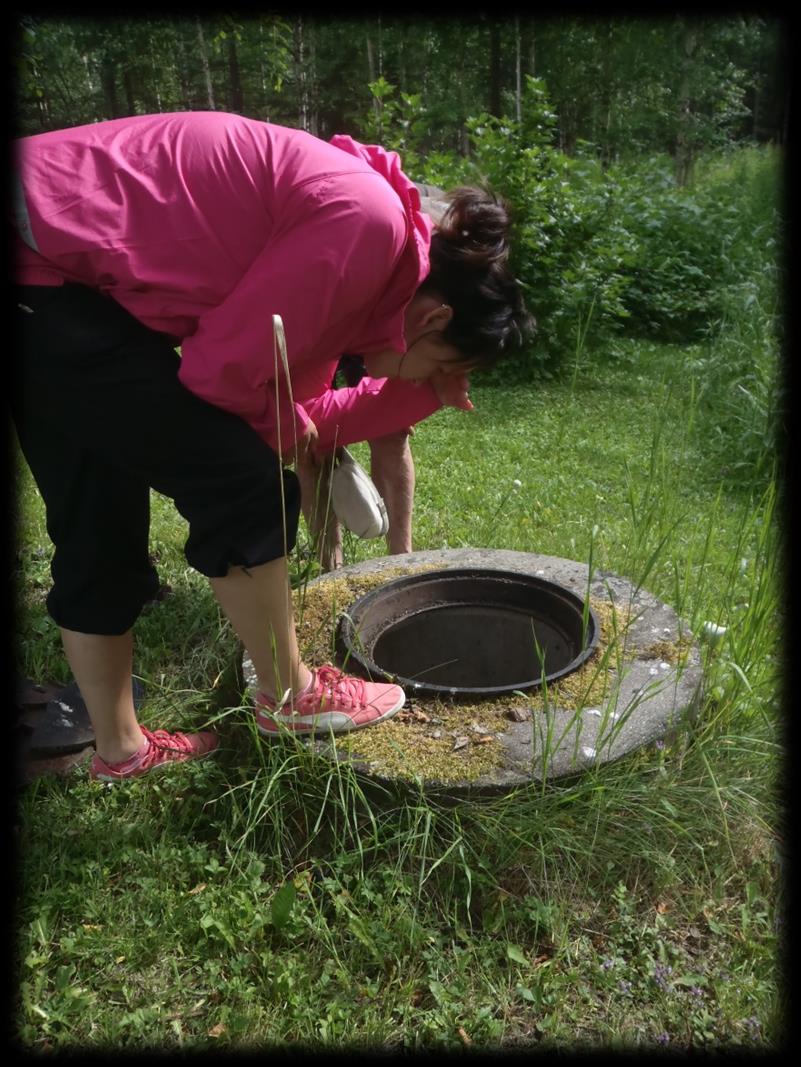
point(203, 225)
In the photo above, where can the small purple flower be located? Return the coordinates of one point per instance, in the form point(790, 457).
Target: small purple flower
point(663, 1038)
point(660, 746)
point(661, 974)
point(753, 1025)
point(624, 985)
point(608, 964)
point(696, 991)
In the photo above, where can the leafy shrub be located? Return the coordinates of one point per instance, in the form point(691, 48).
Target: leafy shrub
point(599, 251)
point(568, 251)
point(674, 274)
point(691, 244)
point(396, 123)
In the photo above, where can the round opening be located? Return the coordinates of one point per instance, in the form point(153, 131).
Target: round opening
point(467, 633)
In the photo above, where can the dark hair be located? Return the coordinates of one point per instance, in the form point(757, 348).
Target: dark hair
point(469, 270)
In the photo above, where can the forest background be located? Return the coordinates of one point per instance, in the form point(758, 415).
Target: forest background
point(625, 86)
point(640, 156)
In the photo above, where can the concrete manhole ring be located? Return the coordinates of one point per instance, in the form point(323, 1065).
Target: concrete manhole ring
point(648, 695)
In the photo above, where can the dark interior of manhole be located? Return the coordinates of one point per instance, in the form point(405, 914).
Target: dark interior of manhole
point(467, 633)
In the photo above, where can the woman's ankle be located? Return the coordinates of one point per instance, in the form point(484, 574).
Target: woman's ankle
point(119, 749)
point(304, 681)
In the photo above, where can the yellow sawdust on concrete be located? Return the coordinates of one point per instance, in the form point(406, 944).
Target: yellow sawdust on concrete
point(670, 651)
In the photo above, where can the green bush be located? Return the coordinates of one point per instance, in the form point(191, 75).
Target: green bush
point(602, 251)
point(568, 252)
point(674, 276)
point(693, 244)
point(396, 123)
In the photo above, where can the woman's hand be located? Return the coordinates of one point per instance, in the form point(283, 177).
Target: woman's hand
point(452, 389)
point(305, 448)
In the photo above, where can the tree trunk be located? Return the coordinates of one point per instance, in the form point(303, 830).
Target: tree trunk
point(42, 106)
point(128, 85)
point(108, 79)
point(314, 96)
point(370, 60)
point(204, 62)
point(684, 145)
point(402, 59)
point(375, 103)
point(756, 99)
point(156, 76)
point(235, 94)
point(495, 68)
point(262, 71)
point(181, 71)
point(518, 72)
point(89, 81)
point(568, 125)
point(300, 68)
point(608, 67)
point(426, 60)
point(464, 139)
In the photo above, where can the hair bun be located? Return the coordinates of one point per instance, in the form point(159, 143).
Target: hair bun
point(476, 223)
point(470, 272)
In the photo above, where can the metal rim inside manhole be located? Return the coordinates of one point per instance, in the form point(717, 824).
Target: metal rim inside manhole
point(467, 634)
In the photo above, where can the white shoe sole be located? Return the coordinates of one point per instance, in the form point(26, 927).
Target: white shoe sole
point(335, 722)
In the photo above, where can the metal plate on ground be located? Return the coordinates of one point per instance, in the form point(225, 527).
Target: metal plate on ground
point(61, 725)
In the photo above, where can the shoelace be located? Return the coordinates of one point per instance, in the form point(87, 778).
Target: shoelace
point(161, 740)
point(349, 690)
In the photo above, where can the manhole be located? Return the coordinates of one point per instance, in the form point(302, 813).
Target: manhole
point(633, 672)
point(467, 634)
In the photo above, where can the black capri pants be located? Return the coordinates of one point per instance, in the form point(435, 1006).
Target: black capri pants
point(102, 418)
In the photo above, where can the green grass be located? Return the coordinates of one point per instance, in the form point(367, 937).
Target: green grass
point(265, 898)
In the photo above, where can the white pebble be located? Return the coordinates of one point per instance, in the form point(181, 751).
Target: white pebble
point(712, 631)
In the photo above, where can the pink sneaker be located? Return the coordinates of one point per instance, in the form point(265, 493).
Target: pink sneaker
point(159, 750)
point(333, 702)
